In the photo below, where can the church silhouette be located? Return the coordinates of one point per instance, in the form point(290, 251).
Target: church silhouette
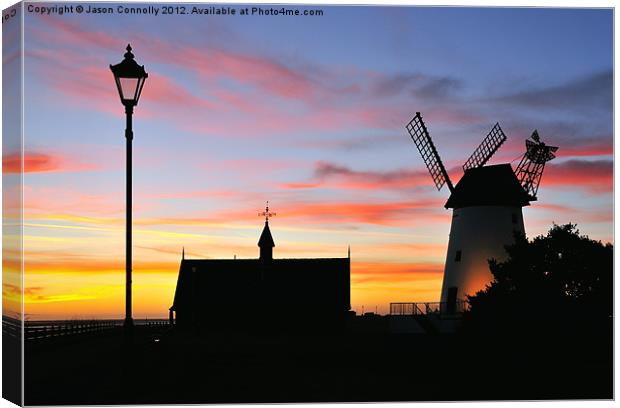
point(264, 293)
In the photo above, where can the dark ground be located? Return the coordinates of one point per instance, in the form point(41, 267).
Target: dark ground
point(228, 368)
point(11, 369)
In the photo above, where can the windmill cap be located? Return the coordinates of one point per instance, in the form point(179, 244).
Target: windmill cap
point(495, 185)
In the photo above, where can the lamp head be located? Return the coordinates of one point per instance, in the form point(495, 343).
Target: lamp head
point(129, 77)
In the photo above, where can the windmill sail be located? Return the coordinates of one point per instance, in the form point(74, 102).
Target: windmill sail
point(426, 147)
point(532, 164)
point(487, 148)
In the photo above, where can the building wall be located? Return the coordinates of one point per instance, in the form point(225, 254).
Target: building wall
point(479, 233)
point(252, 294)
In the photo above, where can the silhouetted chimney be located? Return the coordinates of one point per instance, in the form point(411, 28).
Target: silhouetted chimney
point(266, 244)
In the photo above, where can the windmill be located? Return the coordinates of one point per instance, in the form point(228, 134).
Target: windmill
point(486, 206)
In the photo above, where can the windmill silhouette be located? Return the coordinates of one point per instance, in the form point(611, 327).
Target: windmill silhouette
point(487, 206)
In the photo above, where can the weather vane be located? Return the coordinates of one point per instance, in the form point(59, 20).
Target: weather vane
point(266, 213)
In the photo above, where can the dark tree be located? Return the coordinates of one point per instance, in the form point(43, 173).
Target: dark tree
point(552, 284)
point(544, 327)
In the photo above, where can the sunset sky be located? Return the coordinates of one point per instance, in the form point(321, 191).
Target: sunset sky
point(308, 113)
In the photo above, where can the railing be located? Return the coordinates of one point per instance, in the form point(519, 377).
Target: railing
point(428, 308)
point(48, 329)
point(39, 330)
point(11, 327)
point(152, 323)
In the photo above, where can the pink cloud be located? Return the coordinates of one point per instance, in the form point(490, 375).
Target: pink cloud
point(54, 200)
point(387, 213)
point(595, 176)
point(264, 73)
point(250, 166)
point(225, 194)
point(563, 213)
point(584, 148)
point(382, 213)
point(296, 186)
point(93, 86)
point(332, 175)
point(34, 162)
point(163, 90)
point(74, 34)
point(274, 96)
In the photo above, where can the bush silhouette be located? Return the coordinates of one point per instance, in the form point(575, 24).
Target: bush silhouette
point(557, 282)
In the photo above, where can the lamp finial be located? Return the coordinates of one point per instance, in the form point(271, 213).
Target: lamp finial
point(128, 54)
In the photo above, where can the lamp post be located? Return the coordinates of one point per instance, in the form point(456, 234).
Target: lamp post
point(129, 77)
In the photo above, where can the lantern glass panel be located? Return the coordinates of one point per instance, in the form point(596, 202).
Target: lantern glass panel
point(139, 89)
point(129, 88)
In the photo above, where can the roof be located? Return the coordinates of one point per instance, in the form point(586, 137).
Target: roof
point(214, 283)
point(266, 240)
point(489, 185)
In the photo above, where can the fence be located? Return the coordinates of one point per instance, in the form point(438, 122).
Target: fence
point(427, 308)
point(11, 327)
point(47, 329)
point(44, 330)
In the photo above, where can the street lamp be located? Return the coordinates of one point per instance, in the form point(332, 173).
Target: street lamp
point(129, 77)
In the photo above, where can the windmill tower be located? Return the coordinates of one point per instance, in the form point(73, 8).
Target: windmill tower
point(486, 206)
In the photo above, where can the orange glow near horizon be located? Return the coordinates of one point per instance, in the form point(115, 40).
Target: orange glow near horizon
point(74, 262)
point(62, 283)
point(66, 279)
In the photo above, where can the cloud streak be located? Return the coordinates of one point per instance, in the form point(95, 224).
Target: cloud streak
point(594, 176)
point(34, 162)
point(591, 92)
point(331, 175)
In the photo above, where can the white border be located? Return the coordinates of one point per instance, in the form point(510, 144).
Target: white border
point(483, 3)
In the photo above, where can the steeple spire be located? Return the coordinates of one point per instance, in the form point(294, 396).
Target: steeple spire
point(183, 254)
point(265, 243)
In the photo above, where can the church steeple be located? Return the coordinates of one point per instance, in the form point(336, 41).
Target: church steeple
point(265, 243)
